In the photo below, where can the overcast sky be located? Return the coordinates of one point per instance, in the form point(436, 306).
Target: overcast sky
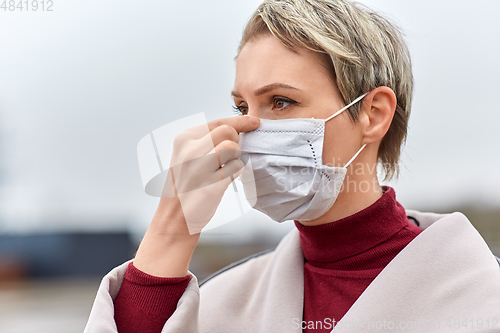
point(81, 85)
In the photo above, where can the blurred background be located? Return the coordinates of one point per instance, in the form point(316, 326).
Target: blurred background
point(80, 86)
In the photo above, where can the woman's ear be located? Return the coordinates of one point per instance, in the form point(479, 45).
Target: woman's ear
point(377, 111)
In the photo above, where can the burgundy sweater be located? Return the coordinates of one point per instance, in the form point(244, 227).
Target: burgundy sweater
point(341, 259)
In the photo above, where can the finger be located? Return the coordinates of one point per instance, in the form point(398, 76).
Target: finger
point(226, 151)
point(214, 138)
point(220, 130)
point(195, 133)
point(239, 123)
point(224, 132)
point(196, 173)
point(231, 168)
point(203, 171)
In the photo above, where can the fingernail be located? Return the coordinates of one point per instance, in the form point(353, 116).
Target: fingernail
point(254, 120)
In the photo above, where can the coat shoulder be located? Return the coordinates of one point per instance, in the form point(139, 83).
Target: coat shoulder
point(248, 263)
point(425, 219)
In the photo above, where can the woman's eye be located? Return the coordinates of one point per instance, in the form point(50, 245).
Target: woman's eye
point(240, 110)
point(279, 103)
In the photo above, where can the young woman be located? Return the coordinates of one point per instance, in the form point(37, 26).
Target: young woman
point(325, 87)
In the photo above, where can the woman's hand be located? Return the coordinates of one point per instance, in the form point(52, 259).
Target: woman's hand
point(204, 161)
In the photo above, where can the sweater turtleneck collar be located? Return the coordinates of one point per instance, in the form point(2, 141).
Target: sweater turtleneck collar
point(355, 234)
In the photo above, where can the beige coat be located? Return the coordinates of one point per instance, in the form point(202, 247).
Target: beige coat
point(445, 280)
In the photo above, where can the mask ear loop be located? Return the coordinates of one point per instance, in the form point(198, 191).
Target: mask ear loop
point(356, 155)
point(339, 112)
point(346, 107)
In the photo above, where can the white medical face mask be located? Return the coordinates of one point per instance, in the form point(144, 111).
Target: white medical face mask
point(285, 177)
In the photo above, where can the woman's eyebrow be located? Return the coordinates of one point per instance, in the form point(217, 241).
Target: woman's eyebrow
point(266, 89)
point(273, 86)
point(235, 94)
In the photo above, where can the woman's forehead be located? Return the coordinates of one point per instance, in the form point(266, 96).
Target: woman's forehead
point(265, 60)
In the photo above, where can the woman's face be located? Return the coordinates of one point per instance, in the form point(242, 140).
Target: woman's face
point(274, 82)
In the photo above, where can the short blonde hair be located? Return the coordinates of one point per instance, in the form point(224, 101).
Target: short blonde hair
point(366, 51)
